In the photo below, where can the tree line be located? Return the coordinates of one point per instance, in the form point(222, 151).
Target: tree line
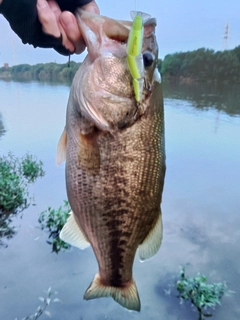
point(41, 72)
point(201, 65)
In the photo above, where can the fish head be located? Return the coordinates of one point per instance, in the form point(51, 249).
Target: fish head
point(103, 86)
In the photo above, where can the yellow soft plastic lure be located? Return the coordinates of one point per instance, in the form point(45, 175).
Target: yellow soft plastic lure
point(134, 52)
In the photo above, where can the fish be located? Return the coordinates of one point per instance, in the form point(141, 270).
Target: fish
point(114, 148)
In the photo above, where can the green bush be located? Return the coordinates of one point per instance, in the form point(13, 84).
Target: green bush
point(53, 221)
point(15, 175)
point(202, 295)
point(31, 168)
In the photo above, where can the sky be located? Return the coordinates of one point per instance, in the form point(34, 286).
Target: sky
point(182, 25)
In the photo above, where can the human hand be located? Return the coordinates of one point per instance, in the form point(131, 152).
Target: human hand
point(58, 29)
point(63, 23)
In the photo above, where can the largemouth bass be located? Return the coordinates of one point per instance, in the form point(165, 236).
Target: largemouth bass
point(115, 157)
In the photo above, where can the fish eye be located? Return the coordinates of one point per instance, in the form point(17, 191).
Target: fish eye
point(148, 59)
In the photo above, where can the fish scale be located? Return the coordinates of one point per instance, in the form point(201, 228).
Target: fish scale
point(115, 162)
point(112, 182)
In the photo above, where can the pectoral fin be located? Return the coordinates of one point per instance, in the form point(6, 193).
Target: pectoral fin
point(73, 235)
point(152, 242)
point(88, 153)
point(62, 148)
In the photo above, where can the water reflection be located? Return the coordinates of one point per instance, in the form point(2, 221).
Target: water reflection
point(49, 83)
point(200, 204)
point(222, 97)
point(165, 288)
point(2, 129)
point(6, 231)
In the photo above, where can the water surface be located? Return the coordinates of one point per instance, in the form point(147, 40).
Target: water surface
point(201, 207)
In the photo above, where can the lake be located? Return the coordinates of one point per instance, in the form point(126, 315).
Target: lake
point(201, 207)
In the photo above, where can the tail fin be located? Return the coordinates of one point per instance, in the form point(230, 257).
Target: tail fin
point(126, 296)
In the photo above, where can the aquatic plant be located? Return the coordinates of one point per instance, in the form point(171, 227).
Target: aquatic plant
point(6, 231)
point(42, 309)
point(202, 295)
point(53, 221)
point(15, 176)
point(31, 168)
point(2, 129)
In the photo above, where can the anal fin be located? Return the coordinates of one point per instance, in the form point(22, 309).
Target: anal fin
point(73, 235)
point(152, 242)
point(127, 295)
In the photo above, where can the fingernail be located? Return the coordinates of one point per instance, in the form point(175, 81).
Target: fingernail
point(41, 3)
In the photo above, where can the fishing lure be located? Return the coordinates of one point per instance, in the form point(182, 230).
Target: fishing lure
point(134, 52)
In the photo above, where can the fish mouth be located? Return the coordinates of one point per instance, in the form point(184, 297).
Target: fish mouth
point(116, 31)
point(97, 30)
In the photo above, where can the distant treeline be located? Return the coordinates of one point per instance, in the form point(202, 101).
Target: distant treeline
point(41, 71)
point(198, 65)
point(203, 65)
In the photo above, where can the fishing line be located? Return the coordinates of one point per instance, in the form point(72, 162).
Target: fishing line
point(135, 5)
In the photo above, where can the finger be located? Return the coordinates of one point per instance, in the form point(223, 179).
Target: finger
point(71, 28)
point(91, 7)
point(47, 19)
point(57, 12)
point(55, 8)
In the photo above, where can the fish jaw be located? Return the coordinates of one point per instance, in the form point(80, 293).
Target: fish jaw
point(102, 34)
point(103, 91)
point(105, 98)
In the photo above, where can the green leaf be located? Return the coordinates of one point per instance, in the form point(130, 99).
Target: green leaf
point(53, 221)
point(202, 295)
